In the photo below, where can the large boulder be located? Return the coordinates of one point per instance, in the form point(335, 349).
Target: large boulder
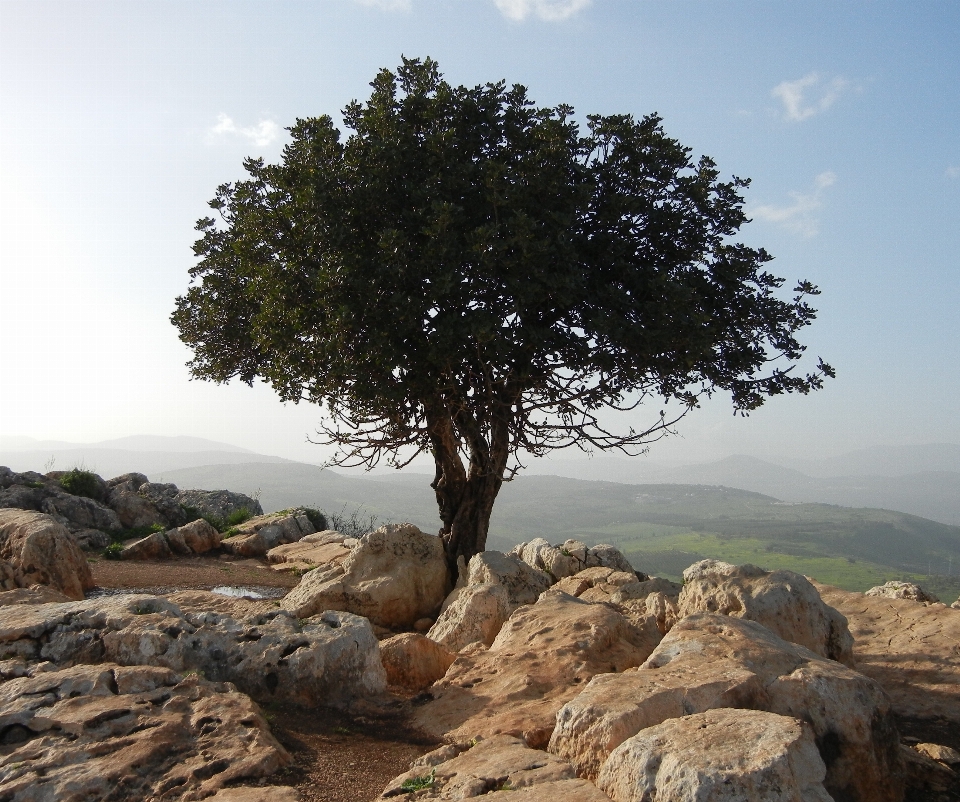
point(569, 558)
point(910, 649)
point(257, 536)
point(116, 732)
point(476, 613)
point(542, 657)
point(413, 661)
point(218, 505)
point(720, 755)
point(903, 590)
point(134, 510)
point(711, 661)
point(784, 602)
point(523, 583)
point(499, 767)
point(80, 512)
point(329, 660)
point(394, 576)
point(35, 549)
point(196, 537)
point(165, 498)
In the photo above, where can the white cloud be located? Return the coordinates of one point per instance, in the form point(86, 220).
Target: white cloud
point(798, 105)
point(953, 172)
point(549, 10)
point(261, 134)
point(387, 5)
point(800, 217)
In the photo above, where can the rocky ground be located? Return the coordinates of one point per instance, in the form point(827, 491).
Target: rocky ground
point(336, 757)
point(552, 673)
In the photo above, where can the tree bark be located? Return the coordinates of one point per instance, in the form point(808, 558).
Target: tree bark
point(465, 496)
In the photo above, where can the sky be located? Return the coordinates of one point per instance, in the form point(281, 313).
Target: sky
point(118, 120)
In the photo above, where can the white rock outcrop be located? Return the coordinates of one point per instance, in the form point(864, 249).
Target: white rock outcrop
point(394, 576)
point(705, 758)
point(710, 661)
point(36, 549)
point(784, 602)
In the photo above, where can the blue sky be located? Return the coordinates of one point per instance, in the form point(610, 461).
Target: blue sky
point(118, 121)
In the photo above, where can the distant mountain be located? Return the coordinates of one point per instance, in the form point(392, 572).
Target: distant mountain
point(885, 461)
point(148, 454)
point(138, 442)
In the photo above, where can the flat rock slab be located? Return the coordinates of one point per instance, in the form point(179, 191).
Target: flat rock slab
point(111, 732)
point(331, 659)
point(911, 649)
point(493, 767)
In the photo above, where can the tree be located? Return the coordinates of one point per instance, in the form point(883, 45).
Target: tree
point(470, 276)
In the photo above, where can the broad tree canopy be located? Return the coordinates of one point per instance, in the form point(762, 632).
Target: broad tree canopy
point(474, 277)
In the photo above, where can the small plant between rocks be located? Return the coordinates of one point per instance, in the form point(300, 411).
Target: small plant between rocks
point(81, 482)
point(113, 551)
point(419, 783)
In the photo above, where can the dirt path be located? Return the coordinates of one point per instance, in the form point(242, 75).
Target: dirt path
point(337, 757)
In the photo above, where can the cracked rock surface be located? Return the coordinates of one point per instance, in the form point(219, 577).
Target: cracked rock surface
point(112, 732)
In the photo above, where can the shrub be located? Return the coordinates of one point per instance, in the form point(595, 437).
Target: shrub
point(317, 518)
point(112, 552)
point(80, 482)
point(238, 517)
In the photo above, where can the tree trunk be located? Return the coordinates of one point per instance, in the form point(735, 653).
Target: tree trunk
point(466, 497)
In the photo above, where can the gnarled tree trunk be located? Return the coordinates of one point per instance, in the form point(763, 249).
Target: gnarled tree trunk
point(465, 495)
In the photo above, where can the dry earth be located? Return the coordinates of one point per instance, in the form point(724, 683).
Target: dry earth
point(337, 757)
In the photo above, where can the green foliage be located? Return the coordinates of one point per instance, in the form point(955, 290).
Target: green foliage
point(317, 518)
point(469, 274)
point(238, 517)
point(80, 482)
point(34, 485)
point(419, 783)
point(113, 551)
point(137, 532)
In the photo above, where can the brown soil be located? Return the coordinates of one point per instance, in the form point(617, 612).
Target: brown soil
point(337, 757)
point(198, 573)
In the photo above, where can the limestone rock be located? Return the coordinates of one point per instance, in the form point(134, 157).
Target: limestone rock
point(942, 754)
point(133, 510)
point(259, 535)
point(113, 732)
point(199, 536)
point(477, 614)
point(903, 590)
point(164, 497)
point(329, 660)
point(784, 602)
point(218, 504)
point(542, 657)
point(394, 576)
point(413, 661)
point(270, 793)
point(570, 558)
point(38, 550)
point(956, 604)
point(81, 512)
point(91, 539)
point(320, 548)
point(35, 594)
point(710, 661)
point(910, 649)
point(608, 556)
point(702, 758)
point(523, 583)
point(928, 779)
point(497, 767)
point(154, 546)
